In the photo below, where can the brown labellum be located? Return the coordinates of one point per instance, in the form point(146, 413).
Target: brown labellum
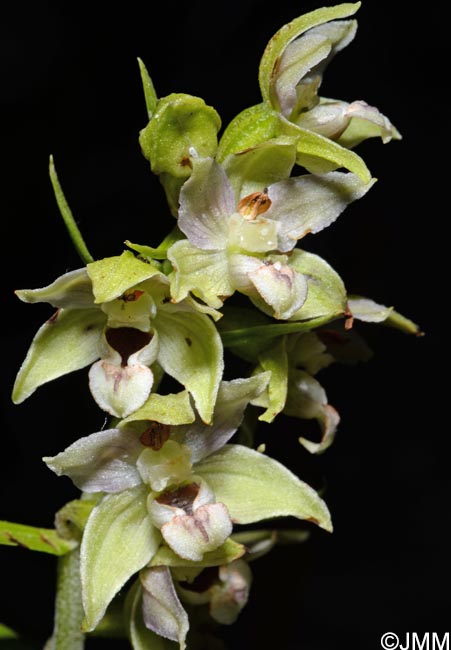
point(253, 205)
point(155, 435)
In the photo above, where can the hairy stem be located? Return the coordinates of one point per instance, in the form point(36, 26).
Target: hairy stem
point(67, 634)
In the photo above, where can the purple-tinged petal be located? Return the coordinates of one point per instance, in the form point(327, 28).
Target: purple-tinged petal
point(102, 462)
point(206, 202)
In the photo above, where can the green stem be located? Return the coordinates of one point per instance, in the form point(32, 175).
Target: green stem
point(68, 217)
point(67, 634)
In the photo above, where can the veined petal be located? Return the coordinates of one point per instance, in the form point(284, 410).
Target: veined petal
point(191, 352)
point(299, 57)
point(191, 536)
point(270, 489)
point(307, 399)
point(204, 272)
point(281, 287)
point(112, 276)
point(102, 462)
point(120, 390)
point(309, 203)
point(367, 122)
point(118, 541)
point(73, 289)
point(368, 311)
point(68, 341)
point(294, 29)
point(141, 637)
point(206, 202)
point(121, 381)
point(309, 55)
point(230, 596)
point(162, 610)
point(233, 397)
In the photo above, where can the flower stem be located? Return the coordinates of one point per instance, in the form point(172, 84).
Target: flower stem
point(67, 634)
point(68, 217)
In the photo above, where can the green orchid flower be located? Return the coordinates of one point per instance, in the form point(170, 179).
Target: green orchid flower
point(182, 484)
point(241, 232)
point(119, 310)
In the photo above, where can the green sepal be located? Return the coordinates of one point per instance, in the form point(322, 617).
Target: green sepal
point(150, 95)
point(7, 633)
point(227, 552)
point(255, 487)
point(161, 252)
point(70, 520)
point(274, 359)
point(250, 128)
point(319, 154)
point(326, 292)
point(205, 273)
point(113, 275)
point(180, 124)
point(191, 352)
point(118, 541)
point(172, 409)
point(293, 30)
point(45, 540)
point(68, 341)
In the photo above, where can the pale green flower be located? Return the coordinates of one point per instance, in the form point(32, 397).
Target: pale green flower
point(119, 310)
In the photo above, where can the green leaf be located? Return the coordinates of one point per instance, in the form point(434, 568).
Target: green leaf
point(275, 360)
point(180, 124)
point(7, 633)
point(173, 409)
point(326, 292)
point(226, 553)
point(292, 30)
point(263, 333)
point(114, 275)
point(251, 127)
point(205, 273)
point(191, 352)
point(257, 167)
point(149, 90)
point(140, 637)
point(45, 540)
point(68, 341)
point(118, 541)
point(255, 487)
point(159, 253)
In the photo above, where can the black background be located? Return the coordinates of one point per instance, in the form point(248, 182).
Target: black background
point(71, 87)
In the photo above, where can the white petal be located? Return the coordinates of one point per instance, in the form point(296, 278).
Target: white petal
point(120, 390)
point(191, 536)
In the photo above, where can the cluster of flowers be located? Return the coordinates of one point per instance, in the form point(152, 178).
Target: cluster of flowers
point(163, 485)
